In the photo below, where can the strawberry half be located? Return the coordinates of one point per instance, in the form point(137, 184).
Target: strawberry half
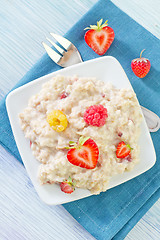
point(141, 66)
point(67, 186)
point(84, 154)
point(99, 37)
point(123, 150)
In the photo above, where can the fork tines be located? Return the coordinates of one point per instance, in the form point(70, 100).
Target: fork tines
point(53, 54)
point(66, 56)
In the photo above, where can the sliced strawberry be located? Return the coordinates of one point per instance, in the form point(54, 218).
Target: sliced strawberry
point(67, 186)
point(99, 37)
point(123, 150)
point(84, 154)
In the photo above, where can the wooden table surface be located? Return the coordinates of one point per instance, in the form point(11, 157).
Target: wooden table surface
point(23, 26)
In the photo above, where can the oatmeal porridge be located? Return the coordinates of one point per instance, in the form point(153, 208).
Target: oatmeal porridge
point(71, 111)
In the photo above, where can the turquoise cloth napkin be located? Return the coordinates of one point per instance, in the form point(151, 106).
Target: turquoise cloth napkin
point(112, 214)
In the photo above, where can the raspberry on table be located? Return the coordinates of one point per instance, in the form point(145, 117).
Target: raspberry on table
point(57, 120)
point(95, 115)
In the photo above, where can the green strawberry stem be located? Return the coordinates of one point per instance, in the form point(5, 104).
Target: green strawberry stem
point(81, 141)
point(99, 25)
point(71, 183)
point(129, 147)
point(69, 180)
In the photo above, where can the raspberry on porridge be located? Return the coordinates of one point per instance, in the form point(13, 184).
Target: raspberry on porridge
point(95, 115)
point(80, 134)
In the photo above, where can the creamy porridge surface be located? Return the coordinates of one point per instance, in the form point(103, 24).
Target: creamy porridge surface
point(48, 146)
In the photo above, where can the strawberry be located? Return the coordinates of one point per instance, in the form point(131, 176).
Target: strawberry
point(123, 150)
point(67, 186)
point(99, 37)
point(140, 66)
point(84, 154)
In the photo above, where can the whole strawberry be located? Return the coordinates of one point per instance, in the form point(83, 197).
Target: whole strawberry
point(99, 37)
point(140, 66)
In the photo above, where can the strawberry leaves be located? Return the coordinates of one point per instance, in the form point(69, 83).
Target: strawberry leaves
point(80, 143)
point(99, 25)
point(82, 140)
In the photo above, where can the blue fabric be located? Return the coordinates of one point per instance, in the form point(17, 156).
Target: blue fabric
point(112, 214)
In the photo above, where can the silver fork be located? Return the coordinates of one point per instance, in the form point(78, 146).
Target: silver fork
point(70, 55)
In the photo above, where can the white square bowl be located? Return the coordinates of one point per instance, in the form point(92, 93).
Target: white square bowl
point(107, 69)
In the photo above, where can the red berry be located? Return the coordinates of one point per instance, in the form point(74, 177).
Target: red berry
point(120, 134)
point(123, 150)
point(84, 154)
point(141, 66)
point(64, 95)
point(99, 37)
point(128, 158)
point(67, 186)
point(95, 115)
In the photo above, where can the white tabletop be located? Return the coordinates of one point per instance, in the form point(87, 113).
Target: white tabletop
point(23, 26)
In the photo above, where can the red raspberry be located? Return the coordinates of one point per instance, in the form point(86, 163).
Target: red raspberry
point(95, 115)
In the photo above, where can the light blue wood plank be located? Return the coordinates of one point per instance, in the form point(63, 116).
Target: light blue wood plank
point(24, 216)
point(24, 25)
